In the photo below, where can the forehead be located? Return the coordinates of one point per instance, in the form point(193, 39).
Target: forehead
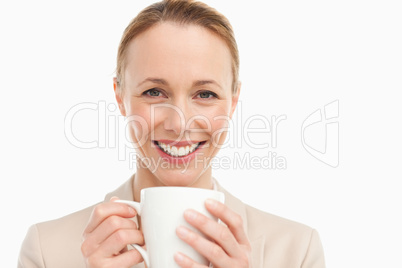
point(178, 53)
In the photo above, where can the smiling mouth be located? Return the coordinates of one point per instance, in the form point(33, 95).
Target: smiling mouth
point(178, 151)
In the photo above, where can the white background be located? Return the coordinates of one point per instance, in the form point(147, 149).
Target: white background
point(296, 57)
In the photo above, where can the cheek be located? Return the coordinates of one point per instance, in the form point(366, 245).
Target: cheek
point(220, 128)
point(144, 120)
point(219, 122)
point(139, 125)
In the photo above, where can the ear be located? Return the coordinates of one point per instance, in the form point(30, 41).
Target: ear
point(235, 99)
point(118, 95)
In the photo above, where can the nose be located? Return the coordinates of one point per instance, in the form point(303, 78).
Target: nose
point(182, 118)
point(175, 118)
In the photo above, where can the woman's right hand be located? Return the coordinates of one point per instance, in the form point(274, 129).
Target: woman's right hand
point(107, 235)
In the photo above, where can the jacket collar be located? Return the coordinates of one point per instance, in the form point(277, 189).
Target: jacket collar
point(125, 192)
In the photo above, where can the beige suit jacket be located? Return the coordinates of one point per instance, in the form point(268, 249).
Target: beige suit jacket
point(275, 242)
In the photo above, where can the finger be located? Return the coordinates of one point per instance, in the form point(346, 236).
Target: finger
point(214, 253)
point(219, 233)
point(230, 218)
point(104, 230)
point(186, 262)
point(105, 210)
point(126, 259)
point(116, 242)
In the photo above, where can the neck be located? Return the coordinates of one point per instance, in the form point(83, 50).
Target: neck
point(144, 178)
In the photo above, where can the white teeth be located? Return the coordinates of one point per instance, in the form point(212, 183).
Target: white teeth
point(177, 151)
point(174, 150)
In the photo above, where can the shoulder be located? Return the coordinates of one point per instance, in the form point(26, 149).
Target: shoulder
point(56, 242)
point(74, 223)
point(276, 241)
point(261, 223)
point(282, 242)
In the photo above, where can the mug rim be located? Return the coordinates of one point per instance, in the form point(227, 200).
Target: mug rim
point(178, 188)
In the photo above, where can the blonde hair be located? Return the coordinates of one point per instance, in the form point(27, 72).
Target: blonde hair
point(182, 12)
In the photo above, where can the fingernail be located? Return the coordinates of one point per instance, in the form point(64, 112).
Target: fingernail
point(179, 257)
point(182, 232)
point(131, 210)
point(210, 203)
point(114, 198)
point(190, 214)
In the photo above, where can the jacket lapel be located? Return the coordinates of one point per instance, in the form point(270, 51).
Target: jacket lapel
point(124, 192)
point(257, 243)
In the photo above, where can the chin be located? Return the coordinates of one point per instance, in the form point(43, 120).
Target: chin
point(178, 177)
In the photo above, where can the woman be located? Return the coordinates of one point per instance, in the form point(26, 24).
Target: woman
point(177, 84)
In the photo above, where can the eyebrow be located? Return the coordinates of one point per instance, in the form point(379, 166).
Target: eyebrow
point(154, 80)
point(205, 82)
point(162, 81)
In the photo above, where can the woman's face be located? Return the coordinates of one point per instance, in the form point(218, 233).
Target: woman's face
point(177, 98)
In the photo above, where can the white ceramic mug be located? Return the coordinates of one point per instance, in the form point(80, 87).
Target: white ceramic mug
point(161, 210)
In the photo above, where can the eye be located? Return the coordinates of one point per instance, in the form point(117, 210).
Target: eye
point(153, 92)
point(207, 95)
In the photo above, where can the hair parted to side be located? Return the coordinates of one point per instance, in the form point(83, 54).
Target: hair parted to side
point(183, 12)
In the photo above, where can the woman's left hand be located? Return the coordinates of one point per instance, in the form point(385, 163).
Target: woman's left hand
point(230, 247)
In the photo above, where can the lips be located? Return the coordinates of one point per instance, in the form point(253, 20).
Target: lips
point(179, 149)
